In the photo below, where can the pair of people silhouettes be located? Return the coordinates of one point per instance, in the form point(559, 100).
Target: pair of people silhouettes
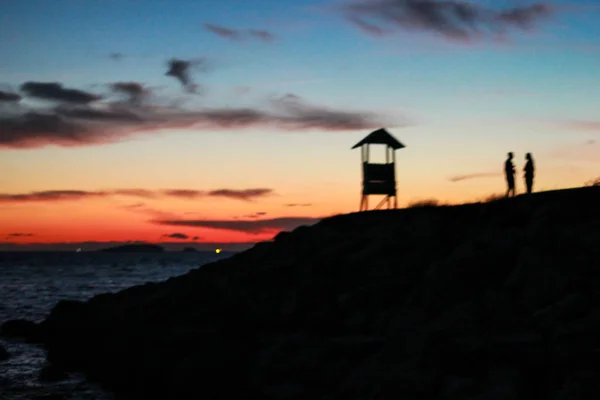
point(509, 172)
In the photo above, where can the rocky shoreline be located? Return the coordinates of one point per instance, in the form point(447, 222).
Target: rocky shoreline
point(484, 301)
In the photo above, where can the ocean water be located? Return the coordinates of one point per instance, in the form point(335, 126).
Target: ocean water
point(32, 283)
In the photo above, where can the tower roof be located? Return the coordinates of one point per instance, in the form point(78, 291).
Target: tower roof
point(380, 136)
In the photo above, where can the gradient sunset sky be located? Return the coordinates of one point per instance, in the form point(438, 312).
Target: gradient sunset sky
point(202, 121)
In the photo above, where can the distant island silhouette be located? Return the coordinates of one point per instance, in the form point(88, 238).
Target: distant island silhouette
point(135, 248)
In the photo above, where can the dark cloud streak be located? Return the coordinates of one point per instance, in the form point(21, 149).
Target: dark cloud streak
point(70, 195)
point(135, 92)
point(255, 226)
point(459, 178)
point(222, 31)
point(246, 195)
point(19, 234)
point(181, 70)
point(71, 125)
point(55, 91)
point(239, 34)
point(456, 20)
point(181, 236)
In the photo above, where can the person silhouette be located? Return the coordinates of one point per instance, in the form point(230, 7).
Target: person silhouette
point(529, 172)
point(509, 172)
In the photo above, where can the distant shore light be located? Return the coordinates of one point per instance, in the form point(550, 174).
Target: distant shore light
point(217, 251)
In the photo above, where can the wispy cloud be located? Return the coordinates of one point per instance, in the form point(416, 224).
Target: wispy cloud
point(261, 34)
point(254, 226)
point(247, 194)
point(19, 235)
point(182, 71)
point(181, 236)
point(56, 92)
point(583, 125)
point(586, 151)
point(80, 119)
point(239, 34)
point(72, 195)
point(135, 92)
point(458, 178)
point(255, 215)
point(223, 32)
point(455, 20)
point(116, 56)
point(298, 205)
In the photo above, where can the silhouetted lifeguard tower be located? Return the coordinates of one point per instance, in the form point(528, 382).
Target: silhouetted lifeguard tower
point(379, 179)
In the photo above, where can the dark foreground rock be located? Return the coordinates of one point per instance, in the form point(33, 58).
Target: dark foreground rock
point(20, 328)
point(483, 301)
point(52, 373)
point(4, 354)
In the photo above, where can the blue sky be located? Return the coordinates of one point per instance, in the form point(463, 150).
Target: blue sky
point(458, 105)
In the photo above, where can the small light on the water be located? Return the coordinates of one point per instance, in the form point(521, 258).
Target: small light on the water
point(78, 250)
point(217, 251)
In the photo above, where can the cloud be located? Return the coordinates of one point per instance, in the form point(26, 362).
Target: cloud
point(8, 97)
point(181, 236)
point(238, 34)
point(70, 195)
point(116, 56)
point(298, 205)
point(181, 70)
point(459, 178)
point(261, 34)
point(184, 193)
point(236, 194)
point(586, 151)
point(77, 123)
point(253, 215)
point(56, 92)
point(589, 125)
point(368, 28)
point(246, 194)
point(255, 226)
point(134, 206)
point(19, 234)
point(222, 31)
point(49, 195)
point(135, 92)
point(455, 20)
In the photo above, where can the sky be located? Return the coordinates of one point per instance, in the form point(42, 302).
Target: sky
point(218, 124)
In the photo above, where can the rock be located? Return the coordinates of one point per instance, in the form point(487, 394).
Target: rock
point(285, 392)
point(4, 354)
point(20, 329)
point(457, 388)
point(52, 373)
point(482, 301)
point(50, 396)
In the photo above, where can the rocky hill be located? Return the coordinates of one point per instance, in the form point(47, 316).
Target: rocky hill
point(484, 301)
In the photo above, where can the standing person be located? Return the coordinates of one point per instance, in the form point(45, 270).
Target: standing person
point(529, 172)
point(509, 172)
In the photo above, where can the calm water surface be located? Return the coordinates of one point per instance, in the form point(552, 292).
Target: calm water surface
point(32, 283)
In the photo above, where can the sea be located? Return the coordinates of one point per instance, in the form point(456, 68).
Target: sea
point(32, 283)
